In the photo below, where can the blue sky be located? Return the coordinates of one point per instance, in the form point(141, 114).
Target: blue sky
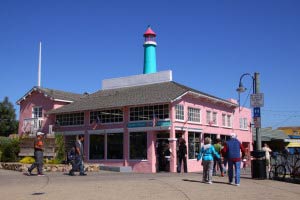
point(208, 44)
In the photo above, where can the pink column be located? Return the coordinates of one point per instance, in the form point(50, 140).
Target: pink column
point(172, 142)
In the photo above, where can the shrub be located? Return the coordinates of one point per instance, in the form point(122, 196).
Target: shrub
point(60, 148)
point(27, 160)
point(10, 149)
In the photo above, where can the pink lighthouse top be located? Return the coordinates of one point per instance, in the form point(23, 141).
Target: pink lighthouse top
point(150, 36)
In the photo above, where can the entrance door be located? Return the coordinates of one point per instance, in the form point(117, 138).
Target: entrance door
point(162, 152)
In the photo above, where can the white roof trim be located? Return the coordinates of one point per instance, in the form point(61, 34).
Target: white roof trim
point(68, 101)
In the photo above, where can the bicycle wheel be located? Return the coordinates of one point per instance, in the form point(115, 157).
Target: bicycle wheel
point(280, 172)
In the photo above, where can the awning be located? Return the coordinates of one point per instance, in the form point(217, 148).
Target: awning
point(293, 144)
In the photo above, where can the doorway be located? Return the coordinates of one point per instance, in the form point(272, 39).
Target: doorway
point(163, 153)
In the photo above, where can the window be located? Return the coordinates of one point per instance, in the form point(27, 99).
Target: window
point(229, 121)
point(213, 137)
point(138, 145)
point(107, 116)
point(214, 118)
point(70, 119)
point(37, 112)
point(97, 147)
point(243, 123)
point(194, 144)
point(148, 112)
point(179, 112)
point(115, 146)
point(223, 120)
point(208, 117)
point(194, 115)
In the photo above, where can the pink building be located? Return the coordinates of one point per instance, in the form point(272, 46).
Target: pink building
point(131, 120)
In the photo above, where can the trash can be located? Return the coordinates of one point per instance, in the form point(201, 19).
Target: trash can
point(258, 165)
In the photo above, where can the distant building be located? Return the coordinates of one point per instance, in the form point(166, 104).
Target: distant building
point(293, 133)
point(132, 120)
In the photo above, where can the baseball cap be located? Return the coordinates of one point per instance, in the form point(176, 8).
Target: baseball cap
point(233, 135)
point(39, 133)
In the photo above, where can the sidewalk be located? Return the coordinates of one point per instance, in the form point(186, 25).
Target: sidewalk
point(133, 186)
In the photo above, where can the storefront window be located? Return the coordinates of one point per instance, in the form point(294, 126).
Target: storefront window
point(213, 137)
point(96, 147)
point(144, 113)
point(115, 146)
point(138, 145)
point(194, 144)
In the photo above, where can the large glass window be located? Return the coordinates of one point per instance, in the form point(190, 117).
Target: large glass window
point(194, 144)
point(148, 112)
point(115, 146)
point(70, 119)
point(107, 116)
point(213, 137)
point(97, 147)
point(138, 145)
point(179, 112)
point(194, 114)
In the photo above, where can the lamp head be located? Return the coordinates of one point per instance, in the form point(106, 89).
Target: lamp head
point(241, 88)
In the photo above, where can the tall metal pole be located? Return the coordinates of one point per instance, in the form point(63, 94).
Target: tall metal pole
point(257, 90)
point(40, 65)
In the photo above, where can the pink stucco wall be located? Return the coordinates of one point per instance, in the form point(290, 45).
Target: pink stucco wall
point(149, 165)
point(37, 99)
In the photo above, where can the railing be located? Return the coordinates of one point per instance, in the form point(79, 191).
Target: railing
point(32, 125)
point(285, 167)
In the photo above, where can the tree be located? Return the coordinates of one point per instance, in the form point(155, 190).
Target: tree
point(8, 122)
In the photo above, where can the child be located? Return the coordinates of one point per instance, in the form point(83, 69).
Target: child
point(207, 153)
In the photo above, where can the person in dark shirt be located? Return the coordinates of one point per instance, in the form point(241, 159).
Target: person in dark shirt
point(182, 153)
point(79, 154)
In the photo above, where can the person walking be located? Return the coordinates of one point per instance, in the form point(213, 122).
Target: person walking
point(182, 155)
point(217, 160)
point(79, 155)
point(267, 150)
point(38, 155)
point(206, 153)
point(233, 148)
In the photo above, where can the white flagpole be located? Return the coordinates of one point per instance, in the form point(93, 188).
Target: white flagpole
point(40, 65)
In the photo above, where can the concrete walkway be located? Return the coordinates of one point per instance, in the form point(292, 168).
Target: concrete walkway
point(130, 186)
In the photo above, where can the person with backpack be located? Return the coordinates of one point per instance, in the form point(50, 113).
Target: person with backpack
point(207, 153)
point(78, 161)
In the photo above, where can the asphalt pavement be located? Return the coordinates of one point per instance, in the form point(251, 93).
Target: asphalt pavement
point(137, 186)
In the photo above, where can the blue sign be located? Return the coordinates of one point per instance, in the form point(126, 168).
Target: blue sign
point(256, 112)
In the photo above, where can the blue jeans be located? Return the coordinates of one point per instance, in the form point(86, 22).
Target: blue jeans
point(39, 156)
point(77, 165)
point(237, 171)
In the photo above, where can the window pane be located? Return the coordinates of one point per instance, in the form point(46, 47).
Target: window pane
point(115, 146)
point(193, 144)
point(138, 145)
point(96, 147)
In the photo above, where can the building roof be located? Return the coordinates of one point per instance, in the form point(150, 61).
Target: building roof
point(56, 95)
point(268, 134)
point(149, 31)
point(158, 93)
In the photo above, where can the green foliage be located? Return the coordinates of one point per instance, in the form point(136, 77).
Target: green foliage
point(53, 161)
point(60, 148)
point(10, 149)
point(27, 160)
point(8, 122)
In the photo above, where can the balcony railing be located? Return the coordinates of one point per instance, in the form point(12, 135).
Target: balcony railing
point(32, 125)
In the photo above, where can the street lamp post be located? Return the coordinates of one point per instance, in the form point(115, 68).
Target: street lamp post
point(258, 164)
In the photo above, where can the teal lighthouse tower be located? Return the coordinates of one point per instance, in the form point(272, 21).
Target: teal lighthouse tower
point(149, 51)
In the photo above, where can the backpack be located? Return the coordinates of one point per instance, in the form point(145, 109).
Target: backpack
point(71, 155)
